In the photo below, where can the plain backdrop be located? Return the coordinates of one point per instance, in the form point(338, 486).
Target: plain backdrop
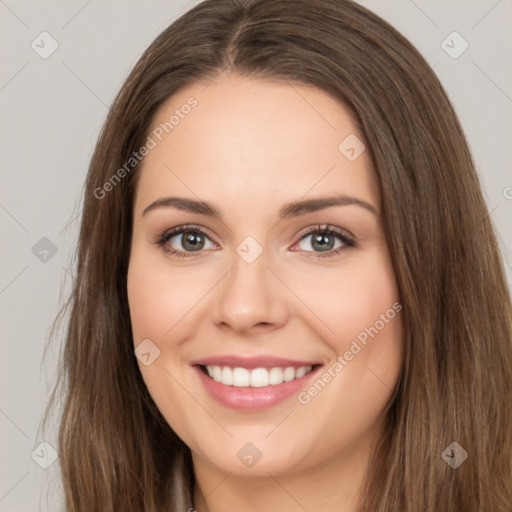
point(52, 110)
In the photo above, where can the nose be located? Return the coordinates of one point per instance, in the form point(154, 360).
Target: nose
point(251, 297)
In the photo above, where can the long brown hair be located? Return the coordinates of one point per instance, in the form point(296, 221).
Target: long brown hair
point(116, 450)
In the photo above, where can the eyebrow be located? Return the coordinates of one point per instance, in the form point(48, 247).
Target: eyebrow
point(288, 210)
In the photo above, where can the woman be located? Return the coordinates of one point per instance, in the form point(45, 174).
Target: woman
point(255, 373)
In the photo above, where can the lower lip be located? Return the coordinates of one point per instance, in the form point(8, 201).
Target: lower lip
point(249, 398)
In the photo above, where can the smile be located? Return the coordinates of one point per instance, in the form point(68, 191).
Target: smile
point(257, 377)
point(255, 383)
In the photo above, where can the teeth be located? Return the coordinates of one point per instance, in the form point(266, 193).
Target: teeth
point(260, 378)
point(256, 378)
point(300, 372)
point(217, 373)
point(226, 376)
point(275, 376)
point(241, 377)
point(289, 374)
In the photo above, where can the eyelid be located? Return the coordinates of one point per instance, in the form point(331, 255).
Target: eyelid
point(348, 241)
point(325, 228)
point(169, 233)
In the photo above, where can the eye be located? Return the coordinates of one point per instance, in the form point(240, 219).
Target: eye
point(324, 238)
point(191, 238)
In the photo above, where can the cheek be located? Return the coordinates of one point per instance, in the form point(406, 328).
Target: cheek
point(158, 303)
point(366, 308)
point(148, 302)
point(356, 301)
point(158, 299)
point(363, 311)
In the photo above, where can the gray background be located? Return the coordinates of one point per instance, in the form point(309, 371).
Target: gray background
point(51, 113)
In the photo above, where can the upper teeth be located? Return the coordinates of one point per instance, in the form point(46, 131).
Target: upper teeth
point(257, 378)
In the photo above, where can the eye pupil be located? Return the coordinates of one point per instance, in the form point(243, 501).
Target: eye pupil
point(322, 240)
point(192, 239)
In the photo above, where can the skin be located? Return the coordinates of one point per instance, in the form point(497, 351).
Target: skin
point(249, 147)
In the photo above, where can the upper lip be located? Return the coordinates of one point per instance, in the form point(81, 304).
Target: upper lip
point(261, 361)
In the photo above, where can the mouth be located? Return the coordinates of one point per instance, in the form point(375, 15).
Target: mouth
point(257, 377)
point(253, 384)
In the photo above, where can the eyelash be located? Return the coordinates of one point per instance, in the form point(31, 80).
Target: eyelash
point(347, 241)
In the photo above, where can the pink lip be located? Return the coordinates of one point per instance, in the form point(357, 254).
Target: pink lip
point(249, 398)
point(263, 361)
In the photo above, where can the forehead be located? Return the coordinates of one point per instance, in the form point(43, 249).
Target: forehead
point(240, 137)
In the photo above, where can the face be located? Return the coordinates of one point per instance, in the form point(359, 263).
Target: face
point(268, 334)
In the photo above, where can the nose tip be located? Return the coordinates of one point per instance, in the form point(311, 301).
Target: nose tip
point(250, 298)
